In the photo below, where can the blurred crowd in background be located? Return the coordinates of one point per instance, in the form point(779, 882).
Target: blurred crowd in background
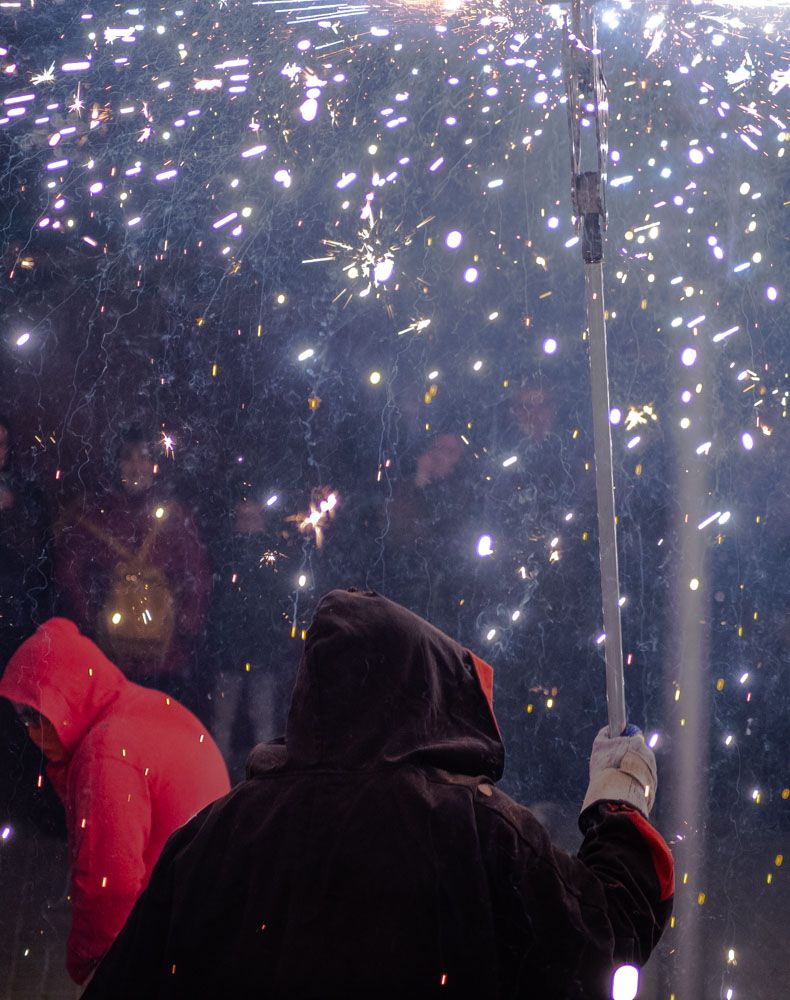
point(209, 602)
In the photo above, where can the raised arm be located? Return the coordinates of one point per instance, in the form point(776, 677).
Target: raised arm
point(568, 922)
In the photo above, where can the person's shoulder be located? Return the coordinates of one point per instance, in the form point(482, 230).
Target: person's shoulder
point(510, 818)
point(266, 759)
point(109, 744)
point(156, 709)
point(245, 805)
point(160, 728)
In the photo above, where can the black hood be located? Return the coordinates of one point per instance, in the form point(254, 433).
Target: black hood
point(378, 685)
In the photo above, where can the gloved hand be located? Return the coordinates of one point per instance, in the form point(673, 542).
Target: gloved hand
point(622, 769)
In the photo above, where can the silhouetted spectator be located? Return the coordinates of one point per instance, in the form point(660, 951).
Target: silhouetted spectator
point(130, 765)
point(25, 601)
point(430, 531)
point(256, 568)
point(24, 551)
point(542, 495)
point(133, 573)
point(371, 854)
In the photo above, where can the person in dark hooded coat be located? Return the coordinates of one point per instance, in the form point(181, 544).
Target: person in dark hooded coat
point(371, 855)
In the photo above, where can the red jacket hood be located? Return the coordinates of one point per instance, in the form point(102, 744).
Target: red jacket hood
point(379, 685)
point(64, 676)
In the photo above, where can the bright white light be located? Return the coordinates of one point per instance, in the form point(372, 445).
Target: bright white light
point(485, 546)
point(625, 983)
point(22, 339)
point(696, 155)
point(283, 177)
point(747, 440)
point(453, 239)
point(615, 416)
point(345, 180)
point(470, 275)
point(272, 500)
point(383, 270)
point(309, 353)
point(253, 151)
point(688, 357)
point(309, 109)
point(224, 220)
point(302, 580)
point(550, 345)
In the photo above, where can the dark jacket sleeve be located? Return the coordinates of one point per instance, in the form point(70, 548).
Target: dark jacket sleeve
point(137, 963)
point(565, 923)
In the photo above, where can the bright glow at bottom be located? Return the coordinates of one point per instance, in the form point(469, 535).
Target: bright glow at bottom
point(625, 983)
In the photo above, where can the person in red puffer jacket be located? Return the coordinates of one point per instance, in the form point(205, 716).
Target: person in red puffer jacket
point(131, 765)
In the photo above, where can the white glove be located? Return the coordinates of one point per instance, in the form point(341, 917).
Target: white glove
point(622, 769)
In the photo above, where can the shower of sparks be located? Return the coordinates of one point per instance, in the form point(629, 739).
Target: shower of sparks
point(45, 76)
point(318, 518)
point(370, 264)
point(78, 104)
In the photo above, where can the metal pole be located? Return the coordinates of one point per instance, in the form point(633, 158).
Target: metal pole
point(604, 488)
point(584, 83)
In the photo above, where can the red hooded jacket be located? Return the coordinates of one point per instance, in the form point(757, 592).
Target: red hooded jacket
point(139, 766)
point(372, 856)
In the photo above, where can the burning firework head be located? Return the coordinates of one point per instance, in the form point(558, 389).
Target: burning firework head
point(322, 510)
